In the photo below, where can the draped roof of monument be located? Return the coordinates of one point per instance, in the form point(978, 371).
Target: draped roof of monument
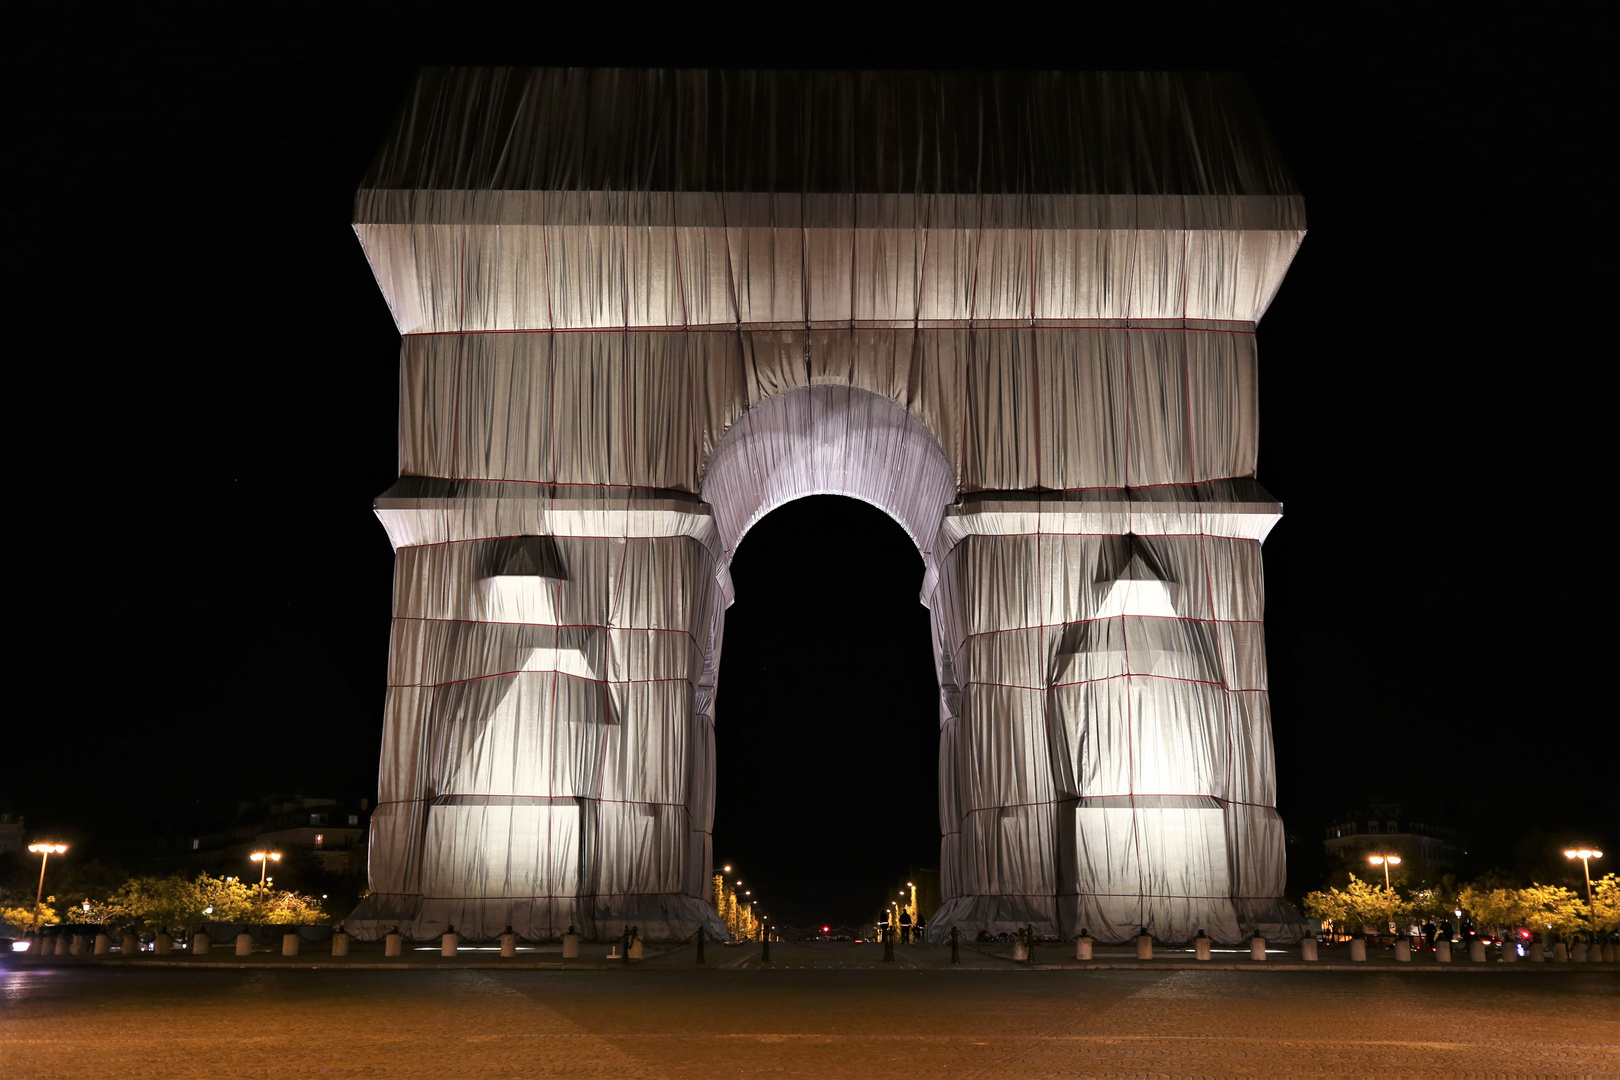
point(575, 129)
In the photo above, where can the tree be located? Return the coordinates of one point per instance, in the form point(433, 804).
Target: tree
point(1356, 906)
point(1606, 902)
point(29, 916)
point(1555, 908)
point(175, 902)
point(1505, 908)
point(155, 904)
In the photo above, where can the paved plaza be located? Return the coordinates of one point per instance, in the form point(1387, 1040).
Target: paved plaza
point(820, 1010)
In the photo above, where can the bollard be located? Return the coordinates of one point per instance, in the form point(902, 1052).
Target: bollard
point(1020, 947)
point(1082, 945)
point(1442, 951)
point(764, 948)
point(289, 944)
point(1257, 948)
point(888, 946)
point(1476, 951)
point(244, 944)
point(62, 945)
point(1358, 949)
point(1201, 945)
point(508, 943)
point(1577, 954)
point(1307, 949)
point(200, 943)
point(340, 943)
point(636, 952)
point(162, 944)
point(956, 948)
point(393, 944)
point(1510, 951)
point(77, 947)
point(1144, 946)
point(103, 944)
point(699, 959)
point(1403, 951)
point(448, 943)
point(570, 945)
point(1536, 953)
point(1560, 953)
point(1611, 953)
point(130, 946)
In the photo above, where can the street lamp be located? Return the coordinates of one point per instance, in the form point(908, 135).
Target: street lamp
point(1387, 861)
point(264, 859)
point(1583, 854)
point(46, 848)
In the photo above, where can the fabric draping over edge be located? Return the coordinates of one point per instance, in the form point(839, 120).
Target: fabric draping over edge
point(1012, 409)
point(510, 199)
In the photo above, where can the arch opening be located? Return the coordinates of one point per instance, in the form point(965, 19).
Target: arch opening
point(826, 755)
point(786, 456)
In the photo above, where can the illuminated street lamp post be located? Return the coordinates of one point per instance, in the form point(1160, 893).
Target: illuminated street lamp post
point(1387, 861)
point(45, 849)
point(1583, 854)
point(264, 859)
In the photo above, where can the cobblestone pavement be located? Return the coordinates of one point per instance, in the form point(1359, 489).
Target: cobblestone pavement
point(805, 1019)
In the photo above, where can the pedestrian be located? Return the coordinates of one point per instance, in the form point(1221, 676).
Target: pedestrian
point(905, 928)
point(1428, 934)
point(1445, 929)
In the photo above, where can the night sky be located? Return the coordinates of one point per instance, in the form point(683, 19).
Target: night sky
point(202, 406)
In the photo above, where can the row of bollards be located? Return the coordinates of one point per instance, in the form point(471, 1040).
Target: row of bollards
point(202, 944)
point(1023, 947)
point(1604, 952)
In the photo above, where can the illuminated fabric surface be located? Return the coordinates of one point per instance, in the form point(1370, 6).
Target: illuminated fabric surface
point(641, 309)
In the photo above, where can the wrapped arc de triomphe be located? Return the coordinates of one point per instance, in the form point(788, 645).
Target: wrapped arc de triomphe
point(641, 309)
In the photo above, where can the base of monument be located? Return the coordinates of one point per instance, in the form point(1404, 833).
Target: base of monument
point(659, 917)
point(1117, 920)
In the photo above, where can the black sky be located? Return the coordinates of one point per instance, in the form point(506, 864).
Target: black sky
point(202, 405)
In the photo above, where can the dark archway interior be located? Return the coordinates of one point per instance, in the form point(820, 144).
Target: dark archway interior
point(827, 716)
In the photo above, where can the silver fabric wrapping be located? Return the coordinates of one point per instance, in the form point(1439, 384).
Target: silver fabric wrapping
point(643, 309)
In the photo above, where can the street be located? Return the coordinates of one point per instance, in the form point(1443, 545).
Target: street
point(810, 1014)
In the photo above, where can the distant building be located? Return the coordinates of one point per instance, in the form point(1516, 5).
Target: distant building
point(333, 830)
point(1427, 851)
point(11, 833)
